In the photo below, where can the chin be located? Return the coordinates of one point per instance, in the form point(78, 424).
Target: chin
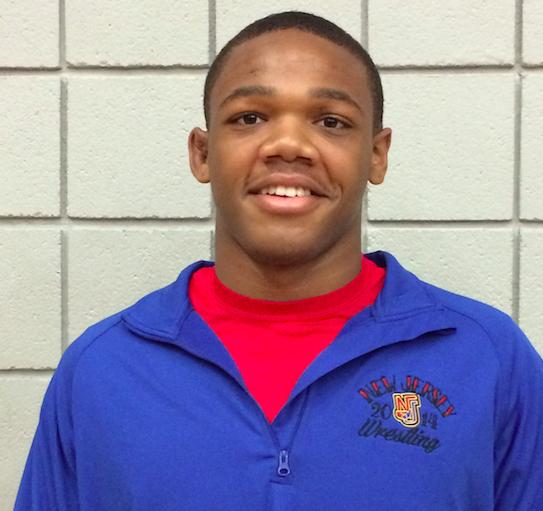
point(284, 252)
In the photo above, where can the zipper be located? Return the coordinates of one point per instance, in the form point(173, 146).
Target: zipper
point(283, 465)
point(283, 469)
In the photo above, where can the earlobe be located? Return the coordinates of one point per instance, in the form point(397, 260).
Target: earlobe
point(197, 142)
point(379, 163)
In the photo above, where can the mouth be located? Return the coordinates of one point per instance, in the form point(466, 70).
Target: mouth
point(286, 200)
point(285, 191)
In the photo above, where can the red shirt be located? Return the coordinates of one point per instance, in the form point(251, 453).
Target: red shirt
point(271, 342)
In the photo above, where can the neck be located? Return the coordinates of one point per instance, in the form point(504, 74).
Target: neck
point(312, 277)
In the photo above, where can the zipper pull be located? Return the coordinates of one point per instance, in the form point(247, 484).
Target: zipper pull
point(283, 469)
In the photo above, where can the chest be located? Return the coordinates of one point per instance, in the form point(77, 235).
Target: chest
point(375, 433)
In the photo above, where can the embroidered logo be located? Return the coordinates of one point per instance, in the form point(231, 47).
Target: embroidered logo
point(406, 408)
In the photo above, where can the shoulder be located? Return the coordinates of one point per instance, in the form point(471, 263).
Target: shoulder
point(90, 339)
point(477, 319)
point(158, 311)
point(485, 316)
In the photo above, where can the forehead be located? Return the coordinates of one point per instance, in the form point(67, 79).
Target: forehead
point(295, 61)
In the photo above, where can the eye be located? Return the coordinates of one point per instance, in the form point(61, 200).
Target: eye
point(248, 119)
point(333, 122)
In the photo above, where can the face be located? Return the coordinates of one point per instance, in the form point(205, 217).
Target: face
point(289, 150)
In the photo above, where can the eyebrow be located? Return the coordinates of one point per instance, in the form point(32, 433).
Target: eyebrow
point(262, 90)
point(339, 95)
point(249, 90)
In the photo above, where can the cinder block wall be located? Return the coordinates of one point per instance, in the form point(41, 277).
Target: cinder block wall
point(97, 204)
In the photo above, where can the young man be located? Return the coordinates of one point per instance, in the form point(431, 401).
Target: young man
point(293, 373)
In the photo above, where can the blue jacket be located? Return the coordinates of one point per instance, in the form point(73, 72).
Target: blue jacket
point(426, 400)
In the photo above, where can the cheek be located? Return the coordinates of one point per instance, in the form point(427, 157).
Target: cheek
point(227, 187)
point(345, 153)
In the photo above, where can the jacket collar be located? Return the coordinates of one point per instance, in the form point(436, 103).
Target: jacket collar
point(404, 310)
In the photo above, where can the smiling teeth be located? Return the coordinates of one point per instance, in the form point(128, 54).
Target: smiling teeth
point(286, 191)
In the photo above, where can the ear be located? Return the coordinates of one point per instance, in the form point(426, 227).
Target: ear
point(198, 154)
point(379, 159)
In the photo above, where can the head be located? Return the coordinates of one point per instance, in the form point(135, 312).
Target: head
point(293, 104)
point(307, 23)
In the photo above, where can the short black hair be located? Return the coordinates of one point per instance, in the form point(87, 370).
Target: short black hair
point(307, 23)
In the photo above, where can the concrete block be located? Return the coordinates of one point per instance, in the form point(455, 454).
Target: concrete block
point(143, 33)
point(29, 146)
point(452, 154)
point(30, 294)
point(29, 32)
point(531, 204)
point(532, 31)
point(20, 400)
point(110, 270)
point(233, 15)
point(475, 262)
point(127, 147)
point(436, 33)
point(531, 285)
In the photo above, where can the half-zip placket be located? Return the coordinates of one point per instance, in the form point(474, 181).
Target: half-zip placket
point(283, 465)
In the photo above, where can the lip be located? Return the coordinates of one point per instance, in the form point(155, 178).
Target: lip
point(278, 205)
point(288, 180)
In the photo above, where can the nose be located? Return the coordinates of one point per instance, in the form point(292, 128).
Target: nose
point(290, 140)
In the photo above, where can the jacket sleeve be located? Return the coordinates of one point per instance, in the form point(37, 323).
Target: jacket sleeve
point(518, 452)
point(49, 479)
